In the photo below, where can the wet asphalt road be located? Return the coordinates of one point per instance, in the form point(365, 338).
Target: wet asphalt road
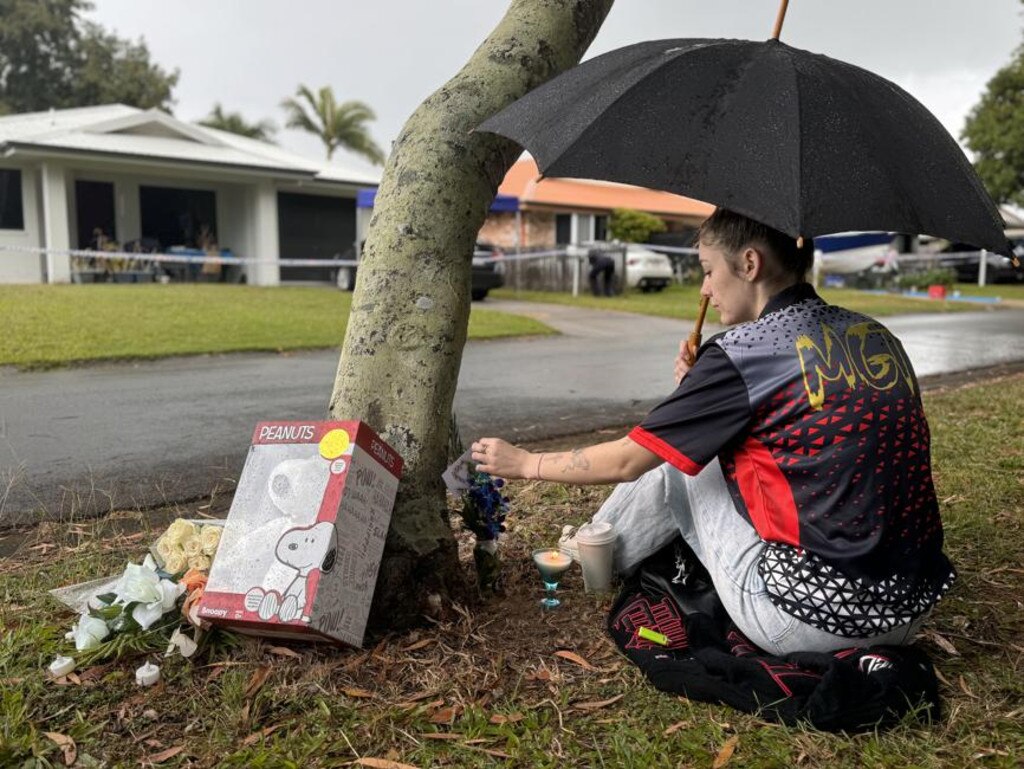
point(79, 441)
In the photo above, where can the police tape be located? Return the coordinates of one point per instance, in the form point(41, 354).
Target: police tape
point(218, 259)
point(479, 257)
point(486, 257)
point(214, 259)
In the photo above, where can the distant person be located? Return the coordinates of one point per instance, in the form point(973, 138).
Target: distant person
point(602, 274)
point(793, 458)
point(212, 268)
point(99, 240)
point(207, 239)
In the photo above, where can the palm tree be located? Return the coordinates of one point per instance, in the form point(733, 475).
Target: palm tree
point(233, 122)
point(337, 125)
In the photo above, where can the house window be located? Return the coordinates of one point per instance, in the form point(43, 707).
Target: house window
point(563, 229)
point(584, 228)
point(172, 216)
point(12, 217)
point(601, 227)
point(94, 202)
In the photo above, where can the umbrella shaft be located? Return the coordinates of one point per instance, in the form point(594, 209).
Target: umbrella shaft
point(694, 340)
point(779, 19)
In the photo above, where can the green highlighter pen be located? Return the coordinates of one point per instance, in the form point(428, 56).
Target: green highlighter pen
point(653, 636)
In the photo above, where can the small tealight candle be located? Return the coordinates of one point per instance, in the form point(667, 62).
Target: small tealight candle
point(554, 558)
point(552, 563)
point(61, 666)
point(147, 675)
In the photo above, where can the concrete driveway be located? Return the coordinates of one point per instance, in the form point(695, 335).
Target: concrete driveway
point(84, 440)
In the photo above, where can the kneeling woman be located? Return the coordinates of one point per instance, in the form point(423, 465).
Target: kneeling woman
point(805, 486)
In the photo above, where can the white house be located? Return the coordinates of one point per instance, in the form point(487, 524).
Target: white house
point(138, 174)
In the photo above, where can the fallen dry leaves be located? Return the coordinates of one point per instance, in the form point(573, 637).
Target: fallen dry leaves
point(163, 755)
point(382, 763)
point(445, 715)
point(71, 679)
point(575, 658)
point(966, 689)
point(676, 727)
point(511, 718)
point(284, 651)
point(942, 642)
point(418, 645)
point(599, 704)
point(66, 744)
point(95, 672)
point(257, 736)
point(357, 693)
point(256, 681)
point(726, 752)
point(541, 674)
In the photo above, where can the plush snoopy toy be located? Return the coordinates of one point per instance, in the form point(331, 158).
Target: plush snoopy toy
point(310, 550)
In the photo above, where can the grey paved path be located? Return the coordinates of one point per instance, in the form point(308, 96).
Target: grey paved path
point(82, 440)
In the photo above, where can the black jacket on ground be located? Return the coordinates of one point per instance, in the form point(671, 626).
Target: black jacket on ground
point(708, 658)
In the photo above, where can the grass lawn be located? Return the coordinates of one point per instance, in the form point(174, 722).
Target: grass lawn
point(485, 687)
point(55, 325)
point(1011, 292)
point(682, 302)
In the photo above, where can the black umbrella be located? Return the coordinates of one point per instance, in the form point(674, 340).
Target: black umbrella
point(796, 140)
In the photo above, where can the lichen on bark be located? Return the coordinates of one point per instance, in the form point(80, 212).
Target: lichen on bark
point(407, 328)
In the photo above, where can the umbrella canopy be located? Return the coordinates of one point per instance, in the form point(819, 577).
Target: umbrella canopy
point(803, 143)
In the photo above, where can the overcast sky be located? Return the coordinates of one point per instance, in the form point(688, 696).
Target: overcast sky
point(250, 54)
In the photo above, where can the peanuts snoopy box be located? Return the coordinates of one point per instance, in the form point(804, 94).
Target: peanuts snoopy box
point(303, 540)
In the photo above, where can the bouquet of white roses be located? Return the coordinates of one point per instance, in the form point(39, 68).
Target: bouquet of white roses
point(187, 546)
point(143, 604)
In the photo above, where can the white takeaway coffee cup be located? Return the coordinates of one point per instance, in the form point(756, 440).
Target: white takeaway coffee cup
point(596, 543)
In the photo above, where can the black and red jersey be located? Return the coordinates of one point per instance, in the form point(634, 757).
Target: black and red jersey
point(815, 414)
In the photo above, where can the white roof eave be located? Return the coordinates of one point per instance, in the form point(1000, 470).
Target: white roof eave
point(33, 150)
point(48, 151)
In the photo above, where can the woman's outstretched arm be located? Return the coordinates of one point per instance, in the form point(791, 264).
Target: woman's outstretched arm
point(610, 462)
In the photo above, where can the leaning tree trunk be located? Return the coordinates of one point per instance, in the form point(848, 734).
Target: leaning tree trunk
point(410, 311)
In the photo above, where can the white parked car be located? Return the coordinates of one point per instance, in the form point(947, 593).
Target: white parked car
point(647, 270)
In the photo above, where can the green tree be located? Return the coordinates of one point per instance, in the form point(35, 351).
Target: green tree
point(338, 125)
point(407, 328)
point(994, 133)
point(51, 58)
point(632, 226)
point(233, 122)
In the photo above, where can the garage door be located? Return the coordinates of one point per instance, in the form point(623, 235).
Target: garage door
point(314, 227)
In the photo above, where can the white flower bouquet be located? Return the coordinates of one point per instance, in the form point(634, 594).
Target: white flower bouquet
point(137, 602)
point(147, 604)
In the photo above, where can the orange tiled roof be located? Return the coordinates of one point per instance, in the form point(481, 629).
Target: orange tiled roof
point(522, 182)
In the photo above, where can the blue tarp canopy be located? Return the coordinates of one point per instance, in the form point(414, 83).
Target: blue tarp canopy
point(501, 203)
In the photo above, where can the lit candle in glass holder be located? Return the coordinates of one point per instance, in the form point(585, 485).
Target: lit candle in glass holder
point(552, 563)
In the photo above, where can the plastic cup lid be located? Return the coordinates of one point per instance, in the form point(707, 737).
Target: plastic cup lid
point(596, 533)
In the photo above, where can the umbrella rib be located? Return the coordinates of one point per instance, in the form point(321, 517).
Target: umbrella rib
point(799, 145)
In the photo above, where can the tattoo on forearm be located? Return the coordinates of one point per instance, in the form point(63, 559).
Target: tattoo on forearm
point(577, 461)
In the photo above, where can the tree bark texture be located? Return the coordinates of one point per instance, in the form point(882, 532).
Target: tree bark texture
point(400, 361)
